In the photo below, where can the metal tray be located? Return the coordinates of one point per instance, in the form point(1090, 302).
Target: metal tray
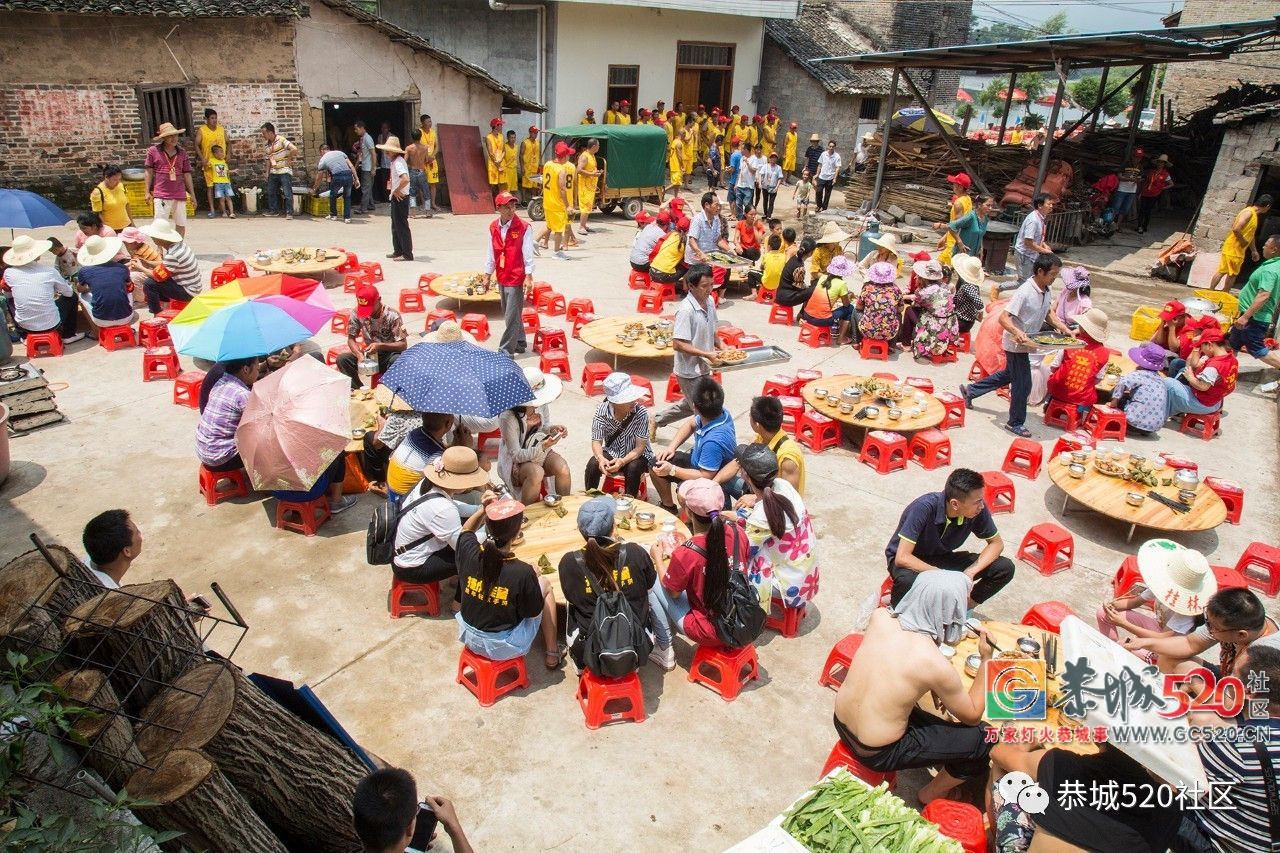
point(757, 356)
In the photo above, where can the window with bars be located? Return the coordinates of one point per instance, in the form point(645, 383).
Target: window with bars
point(624, 75)
point(694, 55)
point(869, 109)
point(160, 104)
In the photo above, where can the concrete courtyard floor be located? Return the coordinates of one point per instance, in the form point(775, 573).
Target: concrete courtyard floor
point(700, 773)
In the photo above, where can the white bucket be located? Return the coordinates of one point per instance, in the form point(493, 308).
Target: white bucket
point(250, 198)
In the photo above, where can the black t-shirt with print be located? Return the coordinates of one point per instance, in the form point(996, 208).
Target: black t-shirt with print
point(634, 573)
point(514, 597)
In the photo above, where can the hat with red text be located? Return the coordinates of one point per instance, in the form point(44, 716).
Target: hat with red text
point(367, 298)
point(1211, 335)
point(503, 198)
point(1173, 309)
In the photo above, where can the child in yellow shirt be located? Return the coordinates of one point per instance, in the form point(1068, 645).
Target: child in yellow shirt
point(771, 263)
point(223, 193)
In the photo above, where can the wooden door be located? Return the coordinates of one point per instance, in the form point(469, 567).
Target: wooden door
point(688, 82)
point(462, 148)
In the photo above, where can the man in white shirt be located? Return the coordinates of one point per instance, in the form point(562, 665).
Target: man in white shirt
point(429, 524)
point(398, 189)
point(111, 543)
point(829, 165)
point(42, 299)
point(1030, 242)
point(279, 171)
point(365, 147)
point(647, 239)
point(745, 187)
point(509, 258)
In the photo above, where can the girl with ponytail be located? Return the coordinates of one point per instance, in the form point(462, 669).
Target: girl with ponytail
point(783, 561)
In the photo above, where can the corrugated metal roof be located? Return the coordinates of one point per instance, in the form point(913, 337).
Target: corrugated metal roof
point(164, 8)
point(750, 8)
point(825, 28)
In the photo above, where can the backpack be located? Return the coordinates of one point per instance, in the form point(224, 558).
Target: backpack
point(743, 619)
point(379, 544)
point(617, 642)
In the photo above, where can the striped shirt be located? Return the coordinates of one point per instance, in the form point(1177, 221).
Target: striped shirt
point(1241, 826)
point(216, 431)
point(181, 263)
point(604, 424)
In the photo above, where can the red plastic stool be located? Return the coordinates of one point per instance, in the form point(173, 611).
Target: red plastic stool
point(782, 314)
point(1047, 615)
point(1260, 566)
point(960, 821)
point(178, 304)
point(1060, 414)
point(310, 515)
point(112, 338)
point(1105, 422)
point(965, 342)
point(727, 667)
point(580, 321)
point(779, 385)
point(1023, 458)
point(593, 375)
point(222, 274)
point(1205, 426)
point(351, 264)
point(616, 484)
point(1048, 547)
point(578, 307)
point(331, 354)
point(532, 322)
point(886, 376)
point(551, 303)
point(729, 335)
point(920, 383)
point(375, 380)
point(767, 297)
point(804, 377)
point(424, 280)
point(1072, 441)
point(160, 363)
point(932, 448)
point(339, 323)
point(155, 332)
point(477, 325)
point(674, 394)
point(666, 289)
point(411, 301)
point(650, 302)
point(885, 451)
point(211, 480)
point(168, 314)
point(373, 269)
point(353, 280)
point(438, 315)
point(545, 339)
point(792, 411)
point(1228, 577)
point(43, 343)
point(535, 292)
point(997, 492)
point(814, 336)
point(838, 661)
point(487, 443)
point(886, 590)
point(1232, 495)
point(748, 341)
point(556, 361)
point(481, 676)
point(841, 757)
point(596, 694)
point(953, 404)
point(977, 372)
point(948, 356)
point(817, 432)
point(186, 388)
point(873, 349)
point(787, 619)
point(1126, 576)
point(400, 590)
point(642, 382)
point(638, 280)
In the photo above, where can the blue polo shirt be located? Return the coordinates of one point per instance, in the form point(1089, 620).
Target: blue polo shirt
point(715, 443)
point(925, 524)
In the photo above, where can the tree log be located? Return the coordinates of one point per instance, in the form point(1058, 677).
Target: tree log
point(108, 745)
point(299, 780)
point(142, 635)
point(34, 598)
point(190, 795)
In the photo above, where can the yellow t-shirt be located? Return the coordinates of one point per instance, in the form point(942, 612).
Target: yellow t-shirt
point(493, 151)
point(670, 255)
point(428, 141)
point(529, 162)
point(623, 118)
point(771, 269)
point(587, 184)
point(221, 173)
point(610, 117)
point(401, 480)
point(550, 190)
point(111, 204)
point(785, 448)
point(1015, 138)
point(789, 152)
point(677, 121)
point(509, 175)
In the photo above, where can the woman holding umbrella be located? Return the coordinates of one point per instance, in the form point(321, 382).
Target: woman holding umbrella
point(223, 396)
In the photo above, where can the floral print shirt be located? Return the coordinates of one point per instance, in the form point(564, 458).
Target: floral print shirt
point(879, 311)
point(784, 566)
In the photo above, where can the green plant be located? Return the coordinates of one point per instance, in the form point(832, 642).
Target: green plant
point(1032, 121)
point(1035, 85)
point(1086, 92)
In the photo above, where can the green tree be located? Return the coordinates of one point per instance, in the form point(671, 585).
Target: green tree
point(1086, 92)
point(1055, 25)
point(990, 98)
point(1035, 85)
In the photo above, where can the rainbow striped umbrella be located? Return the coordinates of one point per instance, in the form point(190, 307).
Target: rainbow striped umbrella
point(303, 299)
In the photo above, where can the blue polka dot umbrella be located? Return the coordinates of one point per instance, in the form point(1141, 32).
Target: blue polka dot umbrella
point(457, 378)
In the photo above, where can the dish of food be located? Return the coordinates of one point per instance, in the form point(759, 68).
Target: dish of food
point(1113, 370)
point(1109, 468)
point(1014, 654)
point(725, 259)
point(1049, 339)
point(634, 326)
point(732, 356)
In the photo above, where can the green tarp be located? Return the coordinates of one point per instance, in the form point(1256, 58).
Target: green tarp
point(636, 154)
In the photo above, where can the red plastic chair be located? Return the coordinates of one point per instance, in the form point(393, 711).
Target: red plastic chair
point(594, 374)
point(1232, 495)
point(838, 661)
point(545, 339)
point(597, 694)
point(931, 449)
point(310, 515)
point(778, 385)
point(402, 590)
point(186, 388)
point(411, 301)
point(485, 677)
point(650, 302)
point(873, 349)
point(729, 669)
point(1048, 547)
point(577, 307)
point(953, 404)
point(1104, 422)
point(783, 315)
point(155, 333)
point(1023, 458)
point(841, 757)
point(885, 451)
point(477, 325)
point(160, 363)
point(998, 492)
point(1205, 426)
point(1062, 414)
point(555, 361)
point(818, 432)
point(1047, 615)
point(112, 338)
point(814, 336)
point(210, 481)
point(785, 620)
point(1260, 566)
point(959, 821)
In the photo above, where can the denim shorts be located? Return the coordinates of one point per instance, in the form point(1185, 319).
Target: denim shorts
point(506, 645)
point(1252, 338)
point(223, 191)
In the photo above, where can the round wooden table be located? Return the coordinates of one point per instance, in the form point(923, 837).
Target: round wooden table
point(1106, 495)
point(603, 334)
point(363, 407)
point(312, 268)
point(453, 285)
point(552, 536)
point(934, 411)
point(1108, 382)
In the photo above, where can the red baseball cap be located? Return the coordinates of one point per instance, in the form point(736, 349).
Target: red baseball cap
point(724, 119)
point(660, 121)
point(496, 122)
point(757, 118)
point(563, 149)
point(683, 223)
point(1211, 334)
point(644, 111)
point(504, 198)
point(793, 125)
point(644, 217)
point(367, 298)
point(960, 178)
point(676, 203)
point(533, 128)
point(1172, 310)
point(624, 103)
point(663, 218)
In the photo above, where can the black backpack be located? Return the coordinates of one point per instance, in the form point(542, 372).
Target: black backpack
point(379, 544)
point(743, 619)
point(617, 643)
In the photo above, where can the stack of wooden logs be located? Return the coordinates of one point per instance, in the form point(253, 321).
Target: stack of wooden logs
point(30, 401)
point(212, 755)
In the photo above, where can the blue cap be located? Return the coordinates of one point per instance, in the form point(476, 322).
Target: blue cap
point(595, 518)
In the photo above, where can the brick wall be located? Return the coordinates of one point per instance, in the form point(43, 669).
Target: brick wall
point(1192, 84)
point(1234, 183)
point(913, 25)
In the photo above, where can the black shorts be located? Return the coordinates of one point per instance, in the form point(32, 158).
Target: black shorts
point(963, 751)
point(639, 267)
point(663, 277)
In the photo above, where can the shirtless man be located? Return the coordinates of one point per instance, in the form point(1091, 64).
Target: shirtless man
point(877, 717)
point(419, 192)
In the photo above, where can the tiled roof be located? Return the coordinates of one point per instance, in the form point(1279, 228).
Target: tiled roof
point(164, 8)
point(826, 28)
point(1241, 115)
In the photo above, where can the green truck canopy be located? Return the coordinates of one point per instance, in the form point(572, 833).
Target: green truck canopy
point(636, 153)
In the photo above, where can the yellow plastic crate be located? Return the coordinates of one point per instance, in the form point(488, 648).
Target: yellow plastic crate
point(320, 206)
point(1145, 322)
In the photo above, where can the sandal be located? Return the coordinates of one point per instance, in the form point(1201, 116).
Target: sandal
point(1020, 431)
point(554, 660)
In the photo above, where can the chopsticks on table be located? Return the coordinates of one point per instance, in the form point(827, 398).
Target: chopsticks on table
point(1176, 506)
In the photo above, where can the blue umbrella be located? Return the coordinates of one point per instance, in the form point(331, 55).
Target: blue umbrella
point(22, 209)
point(244, 330)
point(457, 378)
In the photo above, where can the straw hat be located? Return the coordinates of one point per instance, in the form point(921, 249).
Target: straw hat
point(98, 250)
point(545, 388)
point(1094, 323)
point(813, 137)
point(927, 270)
point(391, 146)
point(457, 468)
point(167, 129)
point(1179, 578)
point(448, 332)
point(968, 268)
point(888, 242)
point(162, 229)
point(25, 250)
point(1163, 158)
point(832, 233)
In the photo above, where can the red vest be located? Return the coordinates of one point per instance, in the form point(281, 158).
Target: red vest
point(508, 255)
point(1227, 368)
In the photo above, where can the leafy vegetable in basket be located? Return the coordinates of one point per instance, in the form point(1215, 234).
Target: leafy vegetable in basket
point(844, 813)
